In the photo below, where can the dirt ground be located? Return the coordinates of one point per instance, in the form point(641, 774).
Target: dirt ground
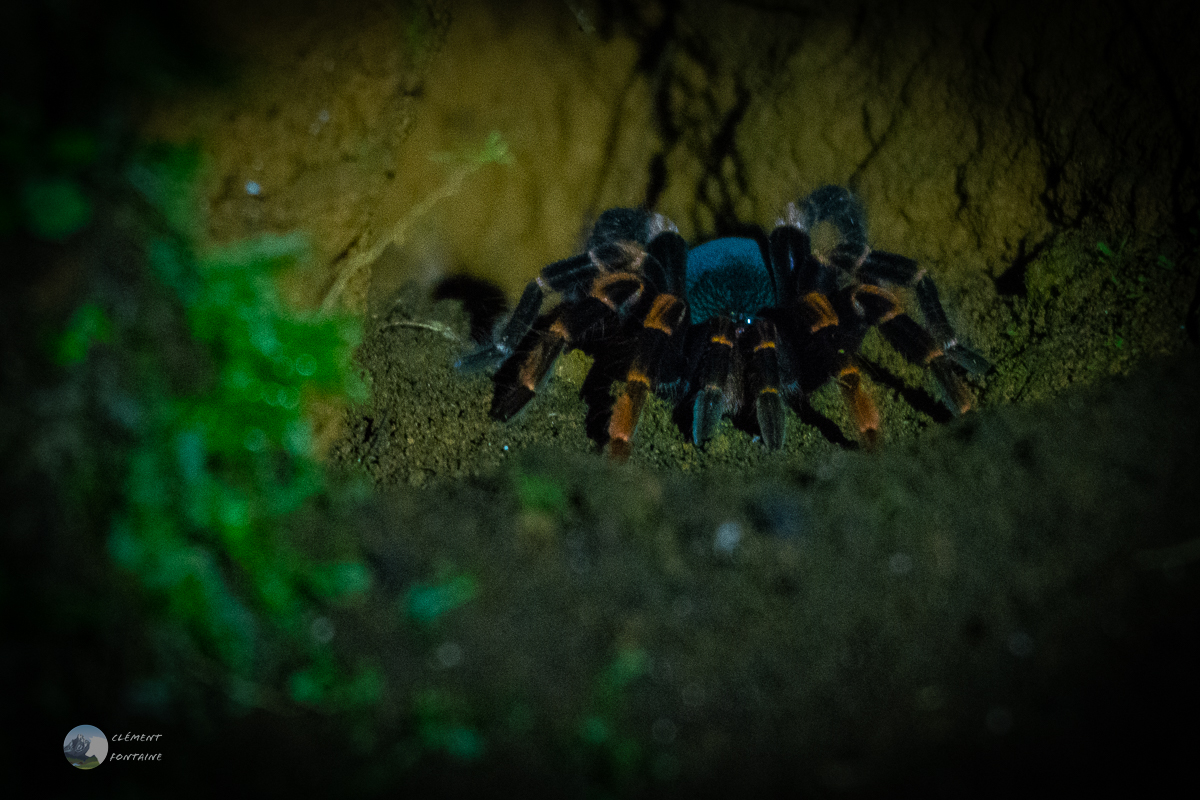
point(980, 603)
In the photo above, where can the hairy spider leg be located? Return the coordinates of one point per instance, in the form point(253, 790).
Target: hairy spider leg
point(517, 379)
point(788, 247)
point(915, 343)
point(504, 344)
point(862, 407)
point(935, 344)
point(571, 278)
point(565, 325)
point(840, 343)
point(565, 277)
point(764, 382)
point(655, 363)
point(890, 269)
point(838, 206)
point(803, 285)
point(717, 340)
point(666, 264)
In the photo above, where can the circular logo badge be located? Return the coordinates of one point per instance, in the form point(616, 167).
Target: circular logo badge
point(85, 747)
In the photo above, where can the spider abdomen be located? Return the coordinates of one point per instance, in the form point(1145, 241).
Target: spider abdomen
point(728, 278)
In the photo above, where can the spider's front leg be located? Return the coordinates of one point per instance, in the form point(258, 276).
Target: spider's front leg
point(726, 357)
point(804, 285)
point(715, 345)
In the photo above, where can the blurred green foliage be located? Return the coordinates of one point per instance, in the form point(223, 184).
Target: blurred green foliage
point(600, 729)
point(88, 324)
point(325, 683)
point(45, 175)
point(55, 208)
point(441, 725)
point(494, 150)
point(218, 463)
point(539, 493)
point(425, 603)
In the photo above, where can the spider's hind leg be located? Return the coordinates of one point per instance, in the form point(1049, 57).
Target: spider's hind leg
point(917, 344)
point(517, 379)
point(890, 269)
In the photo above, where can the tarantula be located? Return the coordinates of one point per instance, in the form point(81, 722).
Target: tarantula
point(737, 320)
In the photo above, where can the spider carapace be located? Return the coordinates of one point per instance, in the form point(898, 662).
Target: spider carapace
point(737, 321)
